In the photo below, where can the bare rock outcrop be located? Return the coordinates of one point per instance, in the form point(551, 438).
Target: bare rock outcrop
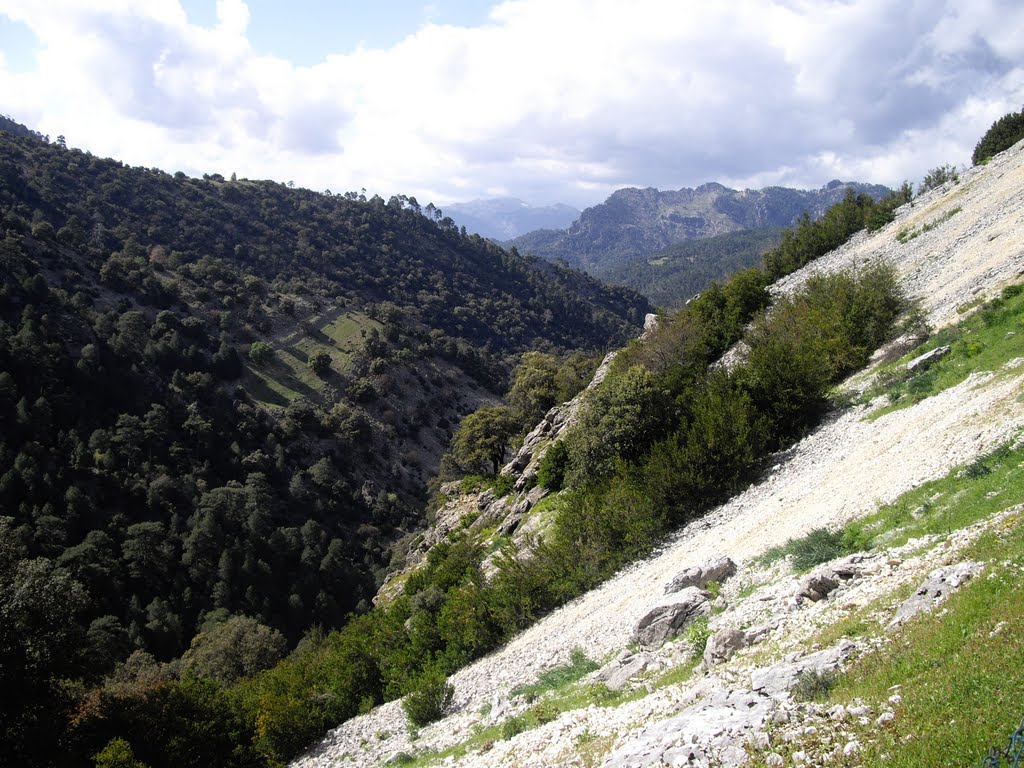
point(666, 621)
point(700, 576)
point(940, 584)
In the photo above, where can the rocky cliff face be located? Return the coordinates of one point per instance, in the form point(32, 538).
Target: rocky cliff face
point(651, 701)
point(633, 224)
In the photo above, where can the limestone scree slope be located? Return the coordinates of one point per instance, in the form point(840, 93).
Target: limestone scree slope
point(845, 469)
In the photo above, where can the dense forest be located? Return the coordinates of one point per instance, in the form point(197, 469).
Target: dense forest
point(675, 275)
point(220, 404)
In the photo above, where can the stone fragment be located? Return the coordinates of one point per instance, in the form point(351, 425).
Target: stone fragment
point(817, 586)
point(922, 362)
point(937, 587)
point(723, 645)
point(699, 576)
point(717, 725)
point(621, 670)
point(665, 621)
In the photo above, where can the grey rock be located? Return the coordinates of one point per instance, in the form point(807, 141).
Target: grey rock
point(699, 576)
point(778, 679)
point(665, 621)
point(492, 512)
point(716, 724)
point(922, 362)
point(508, 526)
point(723, 645)
point(939, 585)
point(755, 635)
point(617, 673)
point(821, 583)
point(817, 586)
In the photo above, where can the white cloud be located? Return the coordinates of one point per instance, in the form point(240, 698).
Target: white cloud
point(549, 100)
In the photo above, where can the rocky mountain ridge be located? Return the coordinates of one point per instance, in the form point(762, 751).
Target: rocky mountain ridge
point(635, 224)
point(952, 247)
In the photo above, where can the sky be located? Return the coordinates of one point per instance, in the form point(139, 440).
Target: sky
point(545, 100)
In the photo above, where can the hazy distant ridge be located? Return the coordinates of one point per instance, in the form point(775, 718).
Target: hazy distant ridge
point(503, 218)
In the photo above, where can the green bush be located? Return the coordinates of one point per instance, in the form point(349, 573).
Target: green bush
point(320, 363)
point(553, 466)
point(579, 666)
point(936, 177)
point(261, 353)
point(1003, 134)
point(697, 635)
point(429, 701)
point(117, 754)
point(813, 684)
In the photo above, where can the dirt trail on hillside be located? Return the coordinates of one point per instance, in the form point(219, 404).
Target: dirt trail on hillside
point(844, 469)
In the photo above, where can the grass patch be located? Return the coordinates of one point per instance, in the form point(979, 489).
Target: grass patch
point(274, 385)
point(906, 235)
point(966, 495)
point(961, 673)
point(678, 674)
point(579, 665)
point(500, 484)
point(983, 341)
point(818, 546)
point(591, 749)
point(347, 330)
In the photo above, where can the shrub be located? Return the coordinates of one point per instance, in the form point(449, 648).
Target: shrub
point(320, 363)
point(551, 474)
point(117, 754)
point(697, 635)
point(1003, 134)
point(579, 666)
point(936, 177)
point(502, 485)
point(814, 684)
point(430, 700)
point(261, 353)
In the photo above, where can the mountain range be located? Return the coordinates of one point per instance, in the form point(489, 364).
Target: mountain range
point(636, 225)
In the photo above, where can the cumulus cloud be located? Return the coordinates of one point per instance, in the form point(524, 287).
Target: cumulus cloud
point(548, 100)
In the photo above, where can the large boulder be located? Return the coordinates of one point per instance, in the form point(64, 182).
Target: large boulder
point(719, 724)
point(666, 621)
point(700, 576)
point(822, 582)
point(923, 362)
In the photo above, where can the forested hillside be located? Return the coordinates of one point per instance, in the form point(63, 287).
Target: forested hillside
point(224, 398)
point(671, 277)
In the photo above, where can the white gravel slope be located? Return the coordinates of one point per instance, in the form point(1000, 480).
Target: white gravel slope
point(844, 469)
